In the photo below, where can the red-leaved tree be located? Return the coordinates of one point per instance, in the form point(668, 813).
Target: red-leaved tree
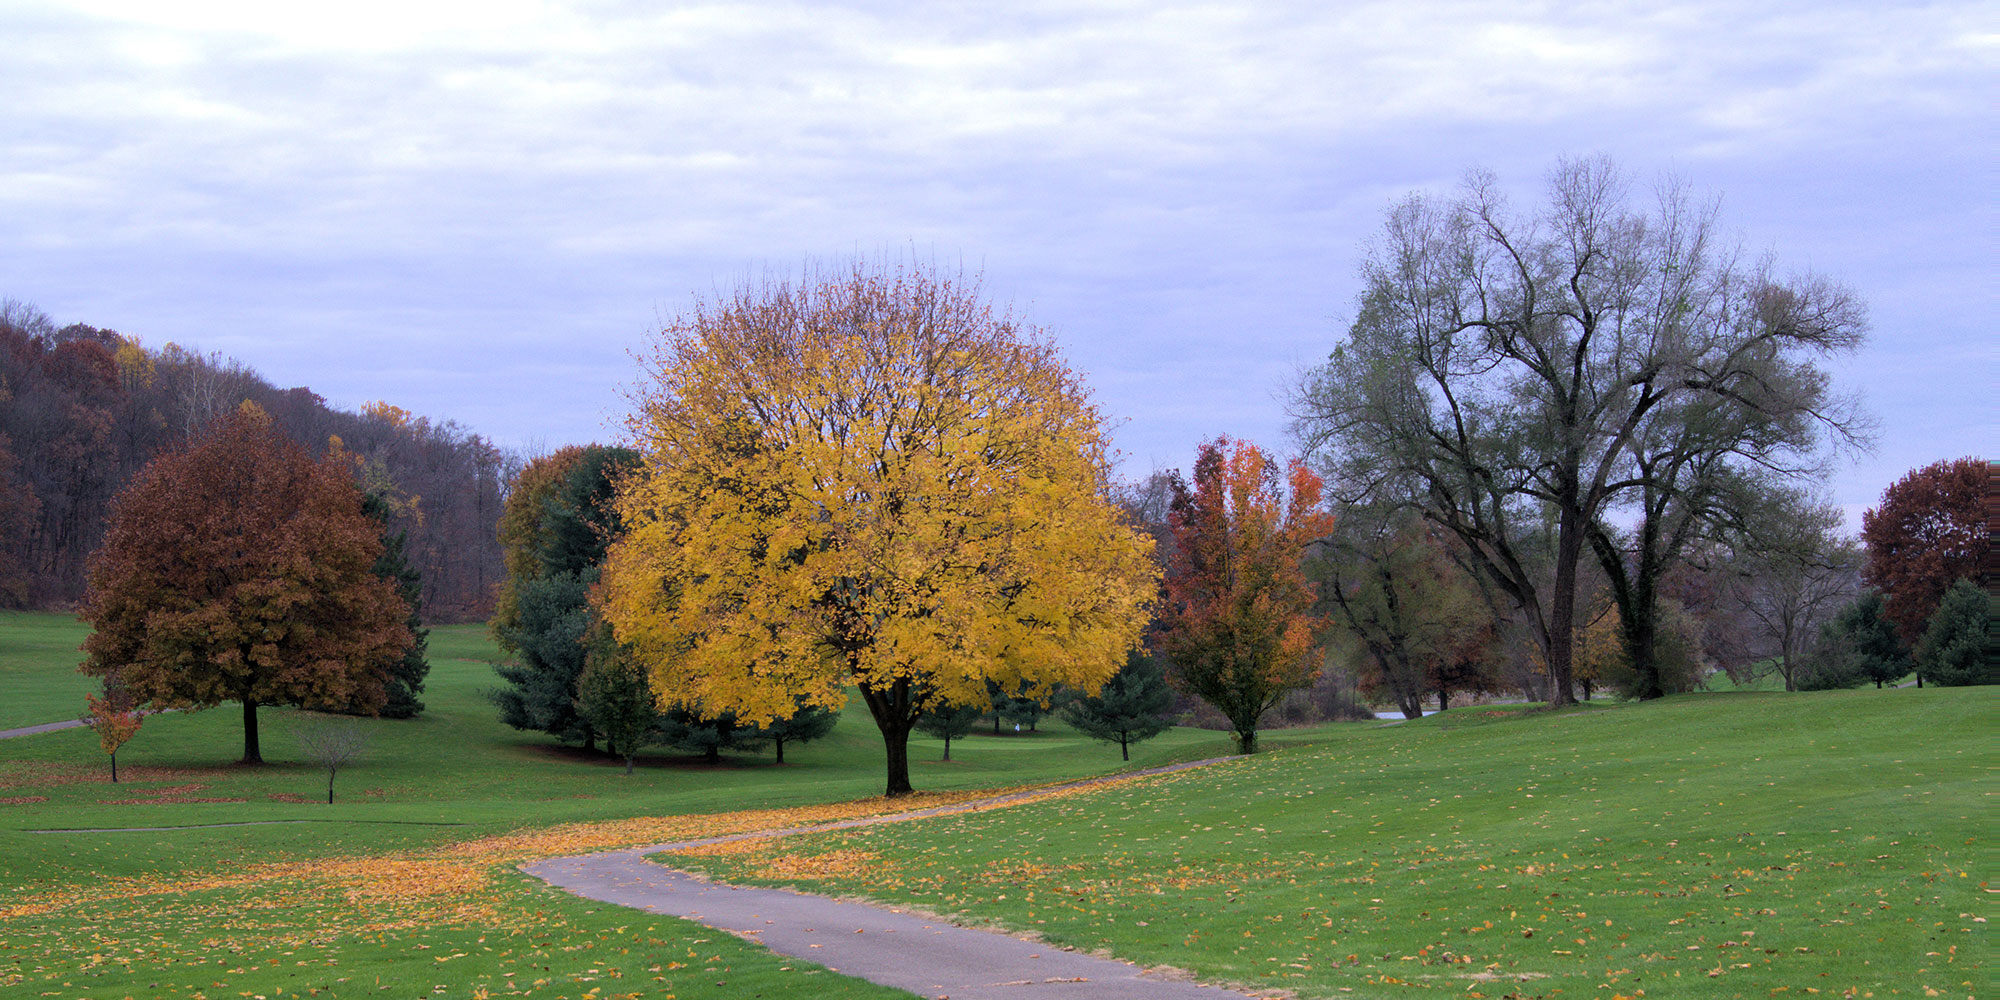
point(1929, 532)
point(1238, 624)
point(238, 569)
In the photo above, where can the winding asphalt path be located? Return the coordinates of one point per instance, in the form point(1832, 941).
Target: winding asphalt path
point(924, 955)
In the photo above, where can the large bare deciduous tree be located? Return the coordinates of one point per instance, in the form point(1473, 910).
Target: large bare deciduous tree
point(1588, 376)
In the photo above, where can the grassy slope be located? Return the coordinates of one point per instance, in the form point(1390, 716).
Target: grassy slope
point(38, 678)
point(1820, 808)
point(1709, 845)
point(453, 765)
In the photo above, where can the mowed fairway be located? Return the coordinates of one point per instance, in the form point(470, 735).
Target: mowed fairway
point(1712, 845)
point(38, 678)
point(1742, 845)
point(407, 886)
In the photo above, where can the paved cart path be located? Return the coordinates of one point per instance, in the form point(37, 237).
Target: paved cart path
point(46, 727)
point(924, 955)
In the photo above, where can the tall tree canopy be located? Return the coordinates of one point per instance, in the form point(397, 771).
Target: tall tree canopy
point(1929, 532)
point(1622, 376)
point(1239, 622)
point(240, 569)
point(869, 478)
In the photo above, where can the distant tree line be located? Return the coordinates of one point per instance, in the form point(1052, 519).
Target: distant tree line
point(83, 410)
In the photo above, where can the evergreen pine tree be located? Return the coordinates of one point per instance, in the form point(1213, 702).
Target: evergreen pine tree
point(1127, 710)
point(406, 675)
point(949, 723)
point(1957, 648)
point(809, 723)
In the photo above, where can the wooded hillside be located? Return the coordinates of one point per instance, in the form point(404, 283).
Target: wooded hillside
point(83, 409)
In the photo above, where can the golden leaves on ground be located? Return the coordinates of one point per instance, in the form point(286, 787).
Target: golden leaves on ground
point(444, 884)
point(833, 864)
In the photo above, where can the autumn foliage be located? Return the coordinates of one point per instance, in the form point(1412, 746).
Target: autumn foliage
point(1239, 623)
point(872, 479)
point(239, 569)
point(1929, 532)
point(114, 721)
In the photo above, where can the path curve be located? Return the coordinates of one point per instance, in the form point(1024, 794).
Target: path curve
point(924, 955)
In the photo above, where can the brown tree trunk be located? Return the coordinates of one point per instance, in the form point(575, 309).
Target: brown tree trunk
point(894, 716)
point(1562, 609)
point(251, 755)
point(780, 744)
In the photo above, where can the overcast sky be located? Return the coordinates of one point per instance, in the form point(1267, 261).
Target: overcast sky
point(477, 211)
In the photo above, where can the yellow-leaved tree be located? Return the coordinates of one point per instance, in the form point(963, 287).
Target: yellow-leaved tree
point(868, 478)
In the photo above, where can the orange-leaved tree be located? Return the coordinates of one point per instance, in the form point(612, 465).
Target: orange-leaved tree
point(868, 478)
point(115, 721)
point(1239, 624)
point(238, 569)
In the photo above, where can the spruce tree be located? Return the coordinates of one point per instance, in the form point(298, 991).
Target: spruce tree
point(949, 723)
point(1957, 648)
point(809, 723)
point(1128, 710)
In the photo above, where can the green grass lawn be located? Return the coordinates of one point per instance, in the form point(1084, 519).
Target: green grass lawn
point(1710, 845)
point(164, 914)
point(1463, 852)
point(38, 678)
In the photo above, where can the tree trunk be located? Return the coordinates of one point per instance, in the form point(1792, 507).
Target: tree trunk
point(780, 744)
point(1124, 747)
point(251, 755)
point(628, 763)
point(1444, 700)
point(1246, 739)
point(329, 785)
point(1562, 607)
point(114, 762)
point(1641, 627)
point(894, 716)
point(947, 747)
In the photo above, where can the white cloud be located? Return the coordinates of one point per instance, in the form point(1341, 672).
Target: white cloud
point(486, 178)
